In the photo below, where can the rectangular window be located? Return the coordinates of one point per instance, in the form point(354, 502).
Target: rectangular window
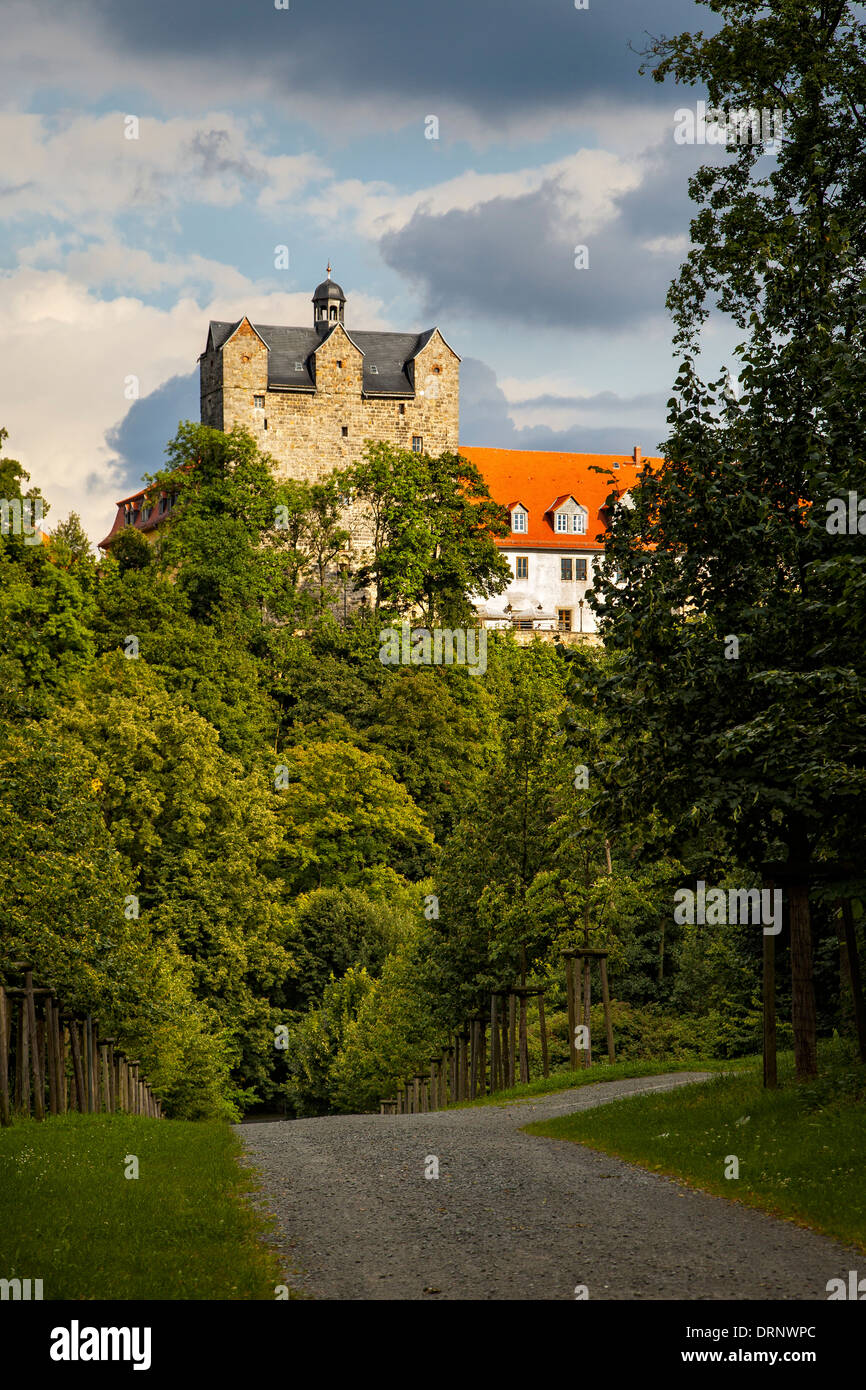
point(417, 444)
point(266, 422)
point(339, 366)
point(563, 619)
point(402, 409)
point(518, 521)
point(580, 569)
point(562, 521)
point(345, 431)
point(523, 624)
point(259, 402)
point(578, 523)
point(566, 570)
point(522, 567)
point(299, 366)
point(374, 369)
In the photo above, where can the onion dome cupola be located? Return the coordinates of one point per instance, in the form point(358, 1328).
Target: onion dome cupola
point(328, 303)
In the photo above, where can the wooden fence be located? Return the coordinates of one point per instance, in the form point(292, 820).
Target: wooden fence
point(477, 1064)
point(51, 1061)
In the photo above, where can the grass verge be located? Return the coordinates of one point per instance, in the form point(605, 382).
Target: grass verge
point(180, 1230)
point(604, 1071)
point(801, 1149)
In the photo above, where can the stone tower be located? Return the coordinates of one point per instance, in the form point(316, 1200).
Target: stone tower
point(312, 396)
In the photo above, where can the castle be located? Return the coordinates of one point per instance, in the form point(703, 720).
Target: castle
point(310, 397)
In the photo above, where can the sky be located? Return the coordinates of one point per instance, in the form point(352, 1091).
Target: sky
point(448, 159)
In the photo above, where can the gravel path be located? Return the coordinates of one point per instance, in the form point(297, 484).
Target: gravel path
point(513, 1216)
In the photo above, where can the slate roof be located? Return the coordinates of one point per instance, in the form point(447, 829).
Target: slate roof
point(391, 354)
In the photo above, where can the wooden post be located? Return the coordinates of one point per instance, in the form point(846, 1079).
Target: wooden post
point(61, 1053)
point(5, 1109)
point(572, 1021)
point(494, 1044)
point(77, 1065)
point(473, 1059)
point(106, 1087)
point(112, 1076)
point(802, 983)
point(524, 1041)
point(40, 1053)
point(22, 1061)
point(59, 1056)
point(88, 1065)
point(605, 999)
point(35, 1070)
point(587, 1056)
point(542, 1025)
point(512, 1036)
point(769, 1001)
point(51, 1057)
point(848, 941)
point(482, 1055)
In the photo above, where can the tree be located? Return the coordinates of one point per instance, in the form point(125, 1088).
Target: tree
point(433, 524)
point(739, 682)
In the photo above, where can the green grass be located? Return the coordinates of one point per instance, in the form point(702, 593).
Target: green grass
point(801, 1148)
point(603, 1071)
point(181, 1230)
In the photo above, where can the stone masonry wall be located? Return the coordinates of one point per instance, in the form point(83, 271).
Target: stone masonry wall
point(304, 431)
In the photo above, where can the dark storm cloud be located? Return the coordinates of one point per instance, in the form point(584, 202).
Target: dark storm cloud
point(499, 57)
point(514, 258)
point(148, 425)
point(484, 420)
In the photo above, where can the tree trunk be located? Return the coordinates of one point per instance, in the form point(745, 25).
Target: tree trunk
point(802, 984)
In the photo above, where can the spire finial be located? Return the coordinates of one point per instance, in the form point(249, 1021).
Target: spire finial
point(329, 269)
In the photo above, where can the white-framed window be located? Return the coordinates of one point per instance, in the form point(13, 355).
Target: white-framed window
point(578, 523)
point(259, 402)
point(519, 520)
point(417, 444)
point(561, 521)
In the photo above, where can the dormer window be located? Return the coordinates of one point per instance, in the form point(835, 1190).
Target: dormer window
point(578, 523)
point(299, 366)
point(374, 369)
point(561, 521)
point(519, 520)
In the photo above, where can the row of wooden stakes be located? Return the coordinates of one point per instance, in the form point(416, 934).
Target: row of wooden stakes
point(468, 1068)
point(52, 1062)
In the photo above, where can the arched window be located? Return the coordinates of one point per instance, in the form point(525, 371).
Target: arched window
point(333, 311)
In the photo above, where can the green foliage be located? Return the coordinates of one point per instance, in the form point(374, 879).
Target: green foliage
point(433, 525)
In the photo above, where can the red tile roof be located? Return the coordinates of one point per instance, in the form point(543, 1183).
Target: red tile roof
point(539, 480)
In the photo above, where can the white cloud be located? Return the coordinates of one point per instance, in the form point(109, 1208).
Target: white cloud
point(589, 183)
point(64, 359)
point(84, 170)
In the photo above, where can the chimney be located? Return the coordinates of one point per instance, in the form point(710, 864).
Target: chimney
point(636, 455)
